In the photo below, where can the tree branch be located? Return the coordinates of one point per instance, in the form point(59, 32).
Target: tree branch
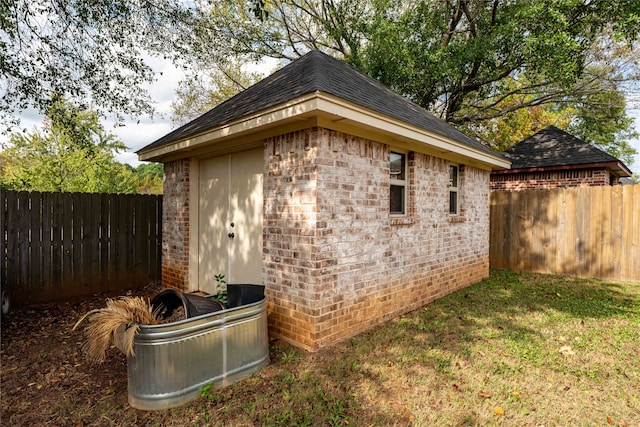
point(453, 23)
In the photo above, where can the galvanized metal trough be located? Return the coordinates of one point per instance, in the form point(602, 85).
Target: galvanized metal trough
point(173, 361)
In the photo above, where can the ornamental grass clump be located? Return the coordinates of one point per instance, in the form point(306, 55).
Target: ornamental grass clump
point(116, 324)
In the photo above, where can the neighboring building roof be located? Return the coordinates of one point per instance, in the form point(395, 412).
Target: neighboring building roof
point(553, 148)
point(316, 73)
point(627, 181)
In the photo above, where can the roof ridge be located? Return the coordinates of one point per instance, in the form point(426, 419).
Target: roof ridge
point(553, 146)
point(318, 71)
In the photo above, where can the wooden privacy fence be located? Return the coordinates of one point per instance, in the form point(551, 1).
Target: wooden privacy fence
point(59, 245)
point(580, 231)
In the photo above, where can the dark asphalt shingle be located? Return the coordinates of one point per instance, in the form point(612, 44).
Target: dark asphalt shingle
point(313, 72)
point(554, 147)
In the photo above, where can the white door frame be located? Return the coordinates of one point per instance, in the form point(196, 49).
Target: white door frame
point(194, 221)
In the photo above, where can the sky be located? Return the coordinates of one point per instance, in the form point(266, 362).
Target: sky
point(635, 166)
point(137, 134)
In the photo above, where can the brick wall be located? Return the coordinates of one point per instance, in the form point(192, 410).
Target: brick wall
point(175, 225)
point(335, 263)
point(290, 255)
point(551, 179)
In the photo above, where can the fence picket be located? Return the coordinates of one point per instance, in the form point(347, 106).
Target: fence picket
point(104, 240)
point(632, 243)
point(67, 236)
point(78, 219)
point(141, 210)
point(12, 237)
point(91, 217)
point(22, 223)
point(37, 247)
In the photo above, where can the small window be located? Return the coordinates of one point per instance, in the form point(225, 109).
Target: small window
point(453, 190)
point(398, 179)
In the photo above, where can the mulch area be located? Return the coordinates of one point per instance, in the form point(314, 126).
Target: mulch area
point(45, 377)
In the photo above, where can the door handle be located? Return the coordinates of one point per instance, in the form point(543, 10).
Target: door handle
point(231, 235)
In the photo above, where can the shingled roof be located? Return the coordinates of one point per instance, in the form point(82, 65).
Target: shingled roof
point(318, 72)
point(553, 147)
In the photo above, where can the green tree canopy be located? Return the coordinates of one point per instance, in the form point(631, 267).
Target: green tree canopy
point(72, 153)
point(91, 52)
point(217, 81)
point(472, 62)
point(149, 178)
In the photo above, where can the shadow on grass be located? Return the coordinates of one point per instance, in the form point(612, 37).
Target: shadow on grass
point(506, 297)
point(517, 308)
point(366, 380)
point(369, 379)
point(296, 389)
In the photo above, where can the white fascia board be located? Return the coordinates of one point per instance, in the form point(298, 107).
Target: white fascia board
point(335, 109)
point(402, 130)
point(296, 109)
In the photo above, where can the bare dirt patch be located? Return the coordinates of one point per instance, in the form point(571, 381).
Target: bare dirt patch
point(46, 379)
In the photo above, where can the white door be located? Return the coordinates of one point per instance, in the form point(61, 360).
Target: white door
point(230, 219)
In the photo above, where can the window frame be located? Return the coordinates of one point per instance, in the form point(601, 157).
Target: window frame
point(454, 190)
point(403, 183)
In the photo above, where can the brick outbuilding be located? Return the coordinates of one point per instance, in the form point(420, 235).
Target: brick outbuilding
point(350, 204)
point(553, 158)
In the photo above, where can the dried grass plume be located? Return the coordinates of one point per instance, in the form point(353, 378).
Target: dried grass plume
point(116, 324)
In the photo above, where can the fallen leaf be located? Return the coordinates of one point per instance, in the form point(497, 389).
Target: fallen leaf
point(609, 420)
point(498, 411)
point(484, 394)
point(566, 351)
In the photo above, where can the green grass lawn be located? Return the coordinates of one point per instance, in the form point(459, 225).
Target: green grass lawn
point(518, 349)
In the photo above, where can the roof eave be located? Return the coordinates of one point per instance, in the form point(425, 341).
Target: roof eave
point(391, 130)
point(619, 168)
point(337, 114)
point(295, 109)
